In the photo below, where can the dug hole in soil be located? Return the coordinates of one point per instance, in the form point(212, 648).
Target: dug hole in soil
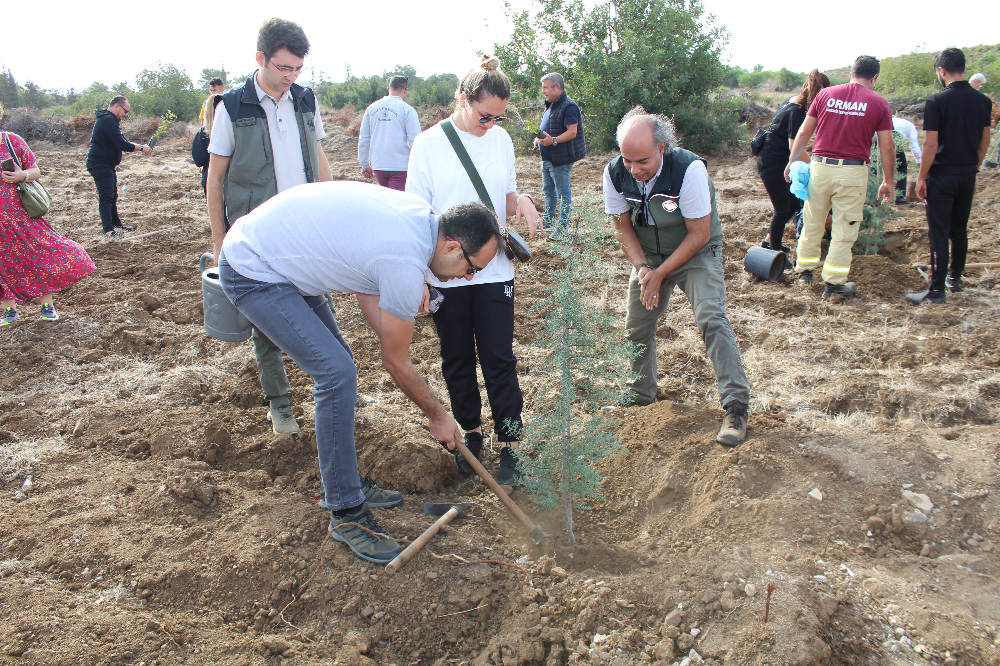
point(149, 515)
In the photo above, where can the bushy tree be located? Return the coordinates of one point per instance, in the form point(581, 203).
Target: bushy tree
point(166, 88)
point(586, 369)
point(207, 74)
point(663, 54)
point(437, 89)
point(9, 93)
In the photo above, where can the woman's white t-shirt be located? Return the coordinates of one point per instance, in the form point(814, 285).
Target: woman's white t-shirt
point(437, 176)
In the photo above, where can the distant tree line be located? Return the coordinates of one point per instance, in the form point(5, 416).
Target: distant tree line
point(359, 92)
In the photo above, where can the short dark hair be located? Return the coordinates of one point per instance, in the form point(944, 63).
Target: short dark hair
point(471, 224)
point(865, 67)
point(951, 60)
point(119, 100)
point(277, 34)
point(399, 83)
point(216, 82)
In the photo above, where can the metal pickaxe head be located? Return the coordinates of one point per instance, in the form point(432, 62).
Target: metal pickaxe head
point(467, 510)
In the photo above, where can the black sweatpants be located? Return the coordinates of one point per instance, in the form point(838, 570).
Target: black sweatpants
point(106, 180)
point(784, 202)
point(900, 173)
point(949, 203)
point(478, 320)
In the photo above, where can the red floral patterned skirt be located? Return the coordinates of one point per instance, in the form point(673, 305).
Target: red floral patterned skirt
point(34, 259)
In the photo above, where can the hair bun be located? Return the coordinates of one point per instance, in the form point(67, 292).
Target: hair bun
point(490, 63)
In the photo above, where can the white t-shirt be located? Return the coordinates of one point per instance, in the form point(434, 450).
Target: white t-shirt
point(437, 176)
point(695, 199)
point(387, 132)
point(909, 132)
point(289, 167)
point(339, 236)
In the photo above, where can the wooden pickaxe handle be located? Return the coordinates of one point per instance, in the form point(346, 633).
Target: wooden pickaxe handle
point(421, 541)
point(533, 530)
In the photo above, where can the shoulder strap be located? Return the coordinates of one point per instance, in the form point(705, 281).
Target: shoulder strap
point(10, 149)
point(470, 168)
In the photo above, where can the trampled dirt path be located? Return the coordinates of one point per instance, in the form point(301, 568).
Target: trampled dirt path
point(165, 524)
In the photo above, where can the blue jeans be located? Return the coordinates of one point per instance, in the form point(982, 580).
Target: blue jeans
point(555, 185)
point(305, 328)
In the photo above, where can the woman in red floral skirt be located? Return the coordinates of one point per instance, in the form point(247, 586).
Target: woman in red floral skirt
point(35, 261)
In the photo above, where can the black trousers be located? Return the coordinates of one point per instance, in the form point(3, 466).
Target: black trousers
point(949, 202)
point(784, 202)
point(900, 173)
point(478, 320)
point(106, 180)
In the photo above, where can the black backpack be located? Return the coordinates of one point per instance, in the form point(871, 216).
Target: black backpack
point(199, 148)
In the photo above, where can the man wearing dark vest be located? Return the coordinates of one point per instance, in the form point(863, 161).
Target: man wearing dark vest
point(663, 206)
point(266, 140)
point(562, 142)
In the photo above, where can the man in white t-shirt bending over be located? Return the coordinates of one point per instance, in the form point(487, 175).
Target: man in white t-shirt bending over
point(663, 205)
point(279, 262)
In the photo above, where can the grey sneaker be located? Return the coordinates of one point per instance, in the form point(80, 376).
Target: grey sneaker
point(847, 290)
point(114, 235)
point(282, 420)
point(510, 468)
point(48, 313)
point(9, 315)
point(379, 497)
point(953, 284)
point(364, 400)
point(360, 532)
point(734, 424)
point(805, 278)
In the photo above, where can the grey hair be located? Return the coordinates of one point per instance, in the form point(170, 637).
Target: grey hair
point(661, 126)
point(555, 78)
point(978, 77)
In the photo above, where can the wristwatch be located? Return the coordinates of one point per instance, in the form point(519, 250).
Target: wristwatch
point(555, 141)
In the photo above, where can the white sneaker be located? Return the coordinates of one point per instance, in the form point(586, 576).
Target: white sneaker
point(282, 420)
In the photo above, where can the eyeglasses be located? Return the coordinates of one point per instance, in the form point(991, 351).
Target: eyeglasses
point(485, 117)
point(286, 70)
point(472, 268)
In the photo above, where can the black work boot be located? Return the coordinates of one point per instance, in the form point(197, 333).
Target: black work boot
point(510, 467)
point(930, 296)
point(473, 442)
point(805, 278)
point(953, 283)
point(847, 290)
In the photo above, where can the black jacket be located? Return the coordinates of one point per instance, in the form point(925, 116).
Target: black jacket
point(576, 148)
point(107, 141)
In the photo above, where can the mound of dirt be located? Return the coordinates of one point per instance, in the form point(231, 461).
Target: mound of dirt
point(151, 517)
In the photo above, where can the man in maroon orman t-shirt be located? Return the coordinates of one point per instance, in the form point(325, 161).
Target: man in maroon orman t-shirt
point(844, 118)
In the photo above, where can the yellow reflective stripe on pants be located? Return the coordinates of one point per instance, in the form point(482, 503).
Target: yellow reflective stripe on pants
point(807, 262)
point(836, 269)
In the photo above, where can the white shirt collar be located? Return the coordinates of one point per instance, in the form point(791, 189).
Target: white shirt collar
point(261, 94)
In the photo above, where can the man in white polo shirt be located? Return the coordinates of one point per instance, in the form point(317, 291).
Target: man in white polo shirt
point(265, 142)
point(387, 132)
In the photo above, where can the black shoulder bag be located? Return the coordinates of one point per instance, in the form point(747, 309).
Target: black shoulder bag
point(515, 247)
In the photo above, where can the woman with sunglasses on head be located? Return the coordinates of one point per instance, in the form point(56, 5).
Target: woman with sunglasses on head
point(476, 318)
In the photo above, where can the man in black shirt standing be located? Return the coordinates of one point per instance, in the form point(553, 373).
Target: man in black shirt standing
point(957, 134)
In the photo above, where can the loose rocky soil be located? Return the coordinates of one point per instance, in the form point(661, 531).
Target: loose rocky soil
point(150, 516)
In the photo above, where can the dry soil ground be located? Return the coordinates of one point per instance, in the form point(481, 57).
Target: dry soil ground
point(149, 516)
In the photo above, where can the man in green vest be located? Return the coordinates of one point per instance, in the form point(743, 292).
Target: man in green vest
point(265, 140)
point(663, 206)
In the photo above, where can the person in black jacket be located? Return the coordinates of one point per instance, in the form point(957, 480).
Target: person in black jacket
point(773, 157)
point(107, 143)
point(561, 143)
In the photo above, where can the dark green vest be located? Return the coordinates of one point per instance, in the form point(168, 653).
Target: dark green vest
point(667, 231)
point(250, 180)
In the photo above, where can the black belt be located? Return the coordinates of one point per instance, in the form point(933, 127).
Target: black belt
point(831, 160)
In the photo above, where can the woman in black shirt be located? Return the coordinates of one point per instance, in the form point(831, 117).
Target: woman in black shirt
point(773, 157)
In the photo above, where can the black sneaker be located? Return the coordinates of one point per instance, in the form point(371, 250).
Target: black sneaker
point(368, 542)
point(379, 497)
point(805, 278)
point(126, 227)
point(473, 442)
point(847, 290)
point(734, 424)
point(902, 201)
point(929, 296)
point(953, 284)
point(767, 246)
point(510, 472)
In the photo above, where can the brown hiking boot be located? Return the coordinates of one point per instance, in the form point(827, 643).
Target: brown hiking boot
point(734, 424)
